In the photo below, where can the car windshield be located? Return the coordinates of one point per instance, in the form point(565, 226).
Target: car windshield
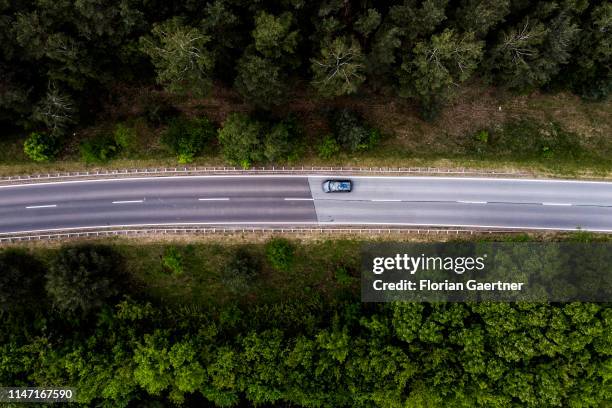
point(340, 185)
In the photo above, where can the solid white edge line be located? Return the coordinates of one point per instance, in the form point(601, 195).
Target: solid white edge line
point(558, 204)
point(353, 176)
point(43, 206)
point(471, 202)
point(386, 201)
point(247, 224)
point(213, 199)
point(128, 202)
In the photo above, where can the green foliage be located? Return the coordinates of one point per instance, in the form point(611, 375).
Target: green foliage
point(273, 36)
point(328, 147)
point(527, 139)
point(240, 271)
point(527, 55)
point(261, 81)
point(173, 261)
point(57, 57)
point(82, 278)
point(280, 141)
point(125, 137)
point(55, 110)
point(318, 347)
point(343, 277)
point(417, 19)
point(240, 140)
point(339, 68)
point(98, 150)
point(368, 22)
point(590, 73)
point(351, 133)
point(482, 136)
point(41, 147)
point(480, 16)
point(436, 66)
point(187, 138)
point(179, 54)
point(280, 253)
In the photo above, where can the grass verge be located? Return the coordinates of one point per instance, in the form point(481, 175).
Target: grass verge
point(485, 128)
point(324, 269)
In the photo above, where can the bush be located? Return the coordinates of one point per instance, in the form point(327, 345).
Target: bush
point(329, 147)
point(173, 261)
point(351, 133)
point(343, 277)
point(125, 137)
point(482, 136)
point(98, 150)
point(280, 142)
point(187, 138)
point(240, 271)
point(280, 254)
point(240, 140)
point(41, 147)
point(82, 278)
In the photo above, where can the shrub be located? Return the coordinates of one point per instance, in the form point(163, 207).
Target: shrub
point(240, 140)
point(240, 271)
point(41, 147)
point(482, 136)
point(82, 278)
point(351, 133)
point(125, 137)
point(98, 150)
point(280, 141)
point(329, 147)
point(280, 254)
point(173, 261)
point(187, 138)
point(343, 277)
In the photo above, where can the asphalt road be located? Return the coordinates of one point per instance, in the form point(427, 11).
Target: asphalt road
point(298, 200)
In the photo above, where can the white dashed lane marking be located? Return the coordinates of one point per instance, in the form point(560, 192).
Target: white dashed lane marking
point(128, 202)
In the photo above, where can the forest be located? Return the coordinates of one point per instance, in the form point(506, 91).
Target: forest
point(61, 59)
point(278, 324)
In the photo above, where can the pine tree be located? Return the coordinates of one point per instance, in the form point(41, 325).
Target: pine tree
point(339, 68)
point(179, 54)
point(435, 67)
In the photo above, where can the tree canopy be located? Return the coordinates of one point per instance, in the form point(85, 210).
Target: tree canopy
point(312, 349)
point(54, 56)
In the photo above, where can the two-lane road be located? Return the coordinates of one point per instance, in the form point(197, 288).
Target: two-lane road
point(298, 200)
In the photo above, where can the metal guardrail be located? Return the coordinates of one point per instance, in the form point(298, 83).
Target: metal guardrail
point(233, 230)
point(195, 170)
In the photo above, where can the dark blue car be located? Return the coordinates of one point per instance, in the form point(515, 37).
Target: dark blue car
point(337, 186)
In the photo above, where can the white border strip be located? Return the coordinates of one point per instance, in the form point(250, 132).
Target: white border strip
point(354, 176)
point(320, 224)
